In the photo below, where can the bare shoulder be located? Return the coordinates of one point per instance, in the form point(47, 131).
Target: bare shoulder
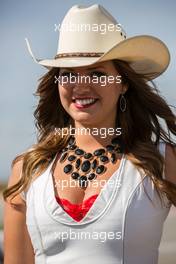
point(16, 169)
point(170, 163)
point(14, 177)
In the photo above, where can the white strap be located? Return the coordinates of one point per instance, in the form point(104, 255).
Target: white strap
point(23, 193)
point(162, 150)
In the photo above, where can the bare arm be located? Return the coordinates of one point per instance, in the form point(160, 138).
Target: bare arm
point(17, 243)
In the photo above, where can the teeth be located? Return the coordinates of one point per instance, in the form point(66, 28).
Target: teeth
point(85, 101)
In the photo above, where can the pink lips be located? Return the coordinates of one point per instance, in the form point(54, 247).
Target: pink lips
point(84, 106)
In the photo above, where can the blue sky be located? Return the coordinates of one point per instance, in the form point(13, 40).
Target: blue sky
point(36, 20)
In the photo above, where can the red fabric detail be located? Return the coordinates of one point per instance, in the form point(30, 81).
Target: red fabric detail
point(77, 211)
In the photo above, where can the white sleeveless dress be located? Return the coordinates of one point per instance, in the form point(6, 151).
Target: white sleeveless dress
point(122, 227)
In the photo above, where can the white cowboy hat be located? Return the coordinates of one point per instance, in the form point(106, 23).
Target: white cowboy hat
point(82, 42)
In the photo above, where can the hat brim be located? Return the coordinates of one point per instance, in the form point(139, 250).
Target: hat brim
point(145, 54)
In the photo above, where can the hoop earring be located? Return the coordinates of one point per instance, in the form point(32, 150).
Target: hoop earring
point(123, 103)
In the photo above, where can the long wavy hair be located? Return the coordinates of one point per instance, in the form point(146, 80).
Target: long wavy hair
point(140, 124)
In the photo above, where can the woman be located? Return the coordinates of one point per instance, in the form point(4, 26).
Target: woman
point(95, 197)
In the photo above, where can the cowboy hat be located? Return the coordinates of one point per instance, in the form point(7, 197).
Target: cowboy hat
point(82, 42)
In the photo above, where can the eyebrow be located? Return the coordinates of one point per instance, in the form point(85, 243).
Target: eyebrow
point(95, 68)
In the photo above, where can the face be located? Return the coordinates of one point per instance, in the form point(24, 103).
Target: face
point(92, 100)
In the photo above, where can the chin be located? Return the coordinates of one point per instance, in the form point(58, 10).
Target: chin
point(84, 120)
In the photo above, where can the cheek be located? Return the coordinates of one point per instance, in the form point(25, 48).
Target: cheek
point(116, 91)
point(65, 95)
point(111, 93)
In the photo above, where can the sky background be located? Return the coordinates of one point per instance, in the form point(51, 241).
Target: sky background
point(19, 74)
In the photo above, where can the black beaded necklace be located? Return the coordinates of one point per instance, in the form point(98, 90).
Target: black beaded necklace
point(85, 166)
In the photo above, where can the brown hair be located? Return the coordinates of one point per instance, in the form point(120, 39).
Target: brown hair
point(140, 124)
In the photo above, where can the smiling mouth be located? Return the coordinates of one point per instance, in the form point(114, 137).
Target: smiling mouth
point(85, 101)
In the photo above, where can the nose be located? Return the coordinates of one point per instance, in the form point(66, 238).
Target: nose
point(83, 82)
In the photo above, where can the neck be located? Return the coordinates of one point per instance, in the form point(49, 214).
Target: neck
point(91, 138)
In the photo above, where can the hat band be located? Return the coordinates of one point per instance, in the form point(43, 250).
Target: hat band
point(79, 54)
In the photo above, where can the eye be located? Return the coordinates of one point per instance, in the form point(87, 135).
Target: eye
point(98, 74)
